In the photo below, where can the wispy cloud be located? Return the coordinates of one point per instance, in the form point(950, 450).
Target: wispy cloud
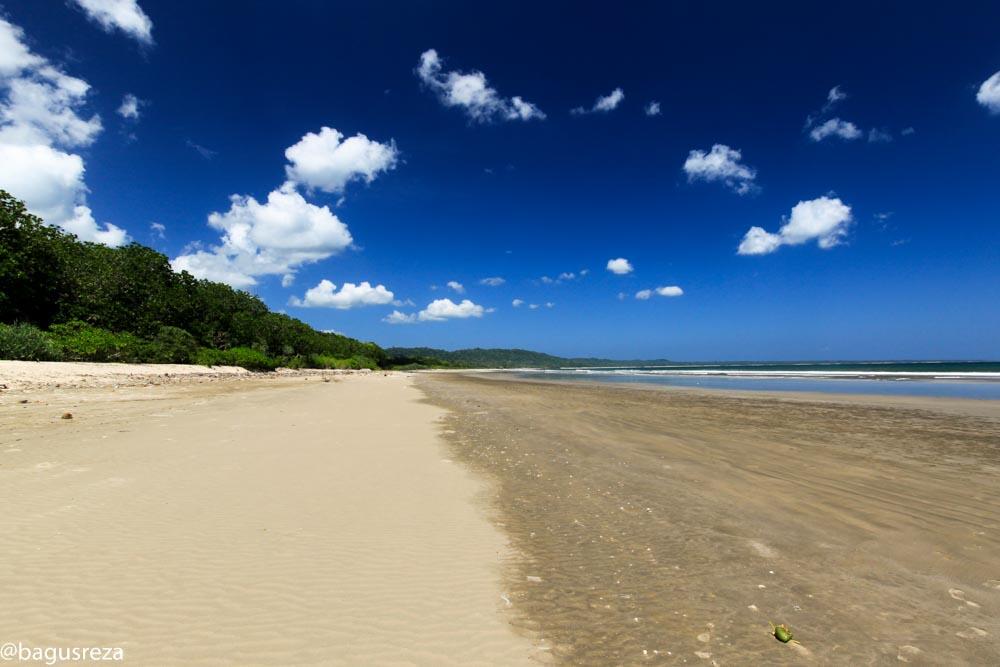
point(124, 15)
point(835, 95)
point(471, 92)
point(722, 164)
point(130, 107)
point(835, 127)
point(206, 153)
point(564, 277)
point(879, 136)
point(666, 291)
point(604, 103)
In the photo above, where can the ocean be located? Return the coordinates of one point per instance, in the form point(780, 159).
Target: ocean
point(946, 379)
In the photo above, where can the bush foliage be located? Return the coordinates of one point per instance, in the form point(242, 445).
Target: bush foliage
point(82, 342)
point(248, 358)
point(27, 343)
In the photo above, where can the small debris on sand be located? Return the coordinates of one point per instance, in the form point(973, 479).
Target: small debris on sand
point(972, 633)
point(67, 415)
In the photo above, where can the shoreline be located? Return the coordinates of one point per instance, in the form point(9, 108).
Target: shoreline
point(953, 405)
point(254, 520)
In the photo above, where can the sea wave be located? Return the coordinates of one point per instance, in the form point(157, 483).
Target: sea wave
point(811, 374)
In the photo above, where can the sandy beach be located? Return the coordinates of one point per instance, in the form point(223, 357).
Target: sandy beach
point(670, 526)
point(277, 519)
point(217, 517)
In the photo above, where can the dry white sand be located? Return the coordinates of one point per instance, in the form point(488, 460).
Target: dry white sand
point(288, 521)
point(47, 374)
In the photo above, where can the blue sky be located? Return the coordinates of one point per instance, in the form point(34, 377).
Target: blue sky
point(864, 143)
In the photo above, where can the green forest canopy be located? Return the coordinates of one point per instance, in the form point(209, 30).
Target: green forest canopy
point(127, 304)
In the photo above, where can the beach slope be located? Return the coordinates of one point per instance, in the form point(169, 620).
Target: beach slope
point(260, 521)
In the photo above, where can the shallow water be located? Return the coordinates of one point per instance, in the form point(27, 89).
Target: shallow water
point(894, 386)
point(669, 527)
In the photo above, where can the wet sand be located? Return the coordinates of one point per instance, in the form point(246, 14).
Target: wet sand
point(258, 520)
point(669, 526)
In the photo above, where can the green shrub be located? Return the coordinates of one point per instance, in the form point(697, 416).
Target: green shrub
point(298, 361)
point(172, 346)
point(250, 359)
point(81, 342)
point(356, 362)
point(321, 361)
point(27, 343)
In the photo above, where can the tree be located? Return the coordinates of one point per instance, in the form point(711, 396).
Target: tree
point(33, 282)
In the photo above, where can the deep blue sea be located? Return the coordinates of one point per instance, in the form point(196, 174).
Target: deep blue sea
point(976, 379)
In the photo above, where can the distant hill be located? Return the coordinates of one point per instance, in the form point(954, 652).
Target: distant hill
point(498, 358)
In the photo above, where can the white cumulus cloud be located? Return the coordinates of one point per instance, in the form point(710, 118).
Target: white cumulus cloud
point(130, 106)
point(124, 15)
point(471, 92)
point(40, 120)
point(666, 291)
point(350, 295)
point(652, 109)
point(270, 238)
point(456, 286)
point(723, 164)
point(605, 103)
point(439, 310)
point(620, 266)
point(328, 162)
point(279, 236)
point(517, 303)
point(825, 220)
point(989, 93)
point(835, 127)
point(446, 309)
point(397, 317)
point(492, 281)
